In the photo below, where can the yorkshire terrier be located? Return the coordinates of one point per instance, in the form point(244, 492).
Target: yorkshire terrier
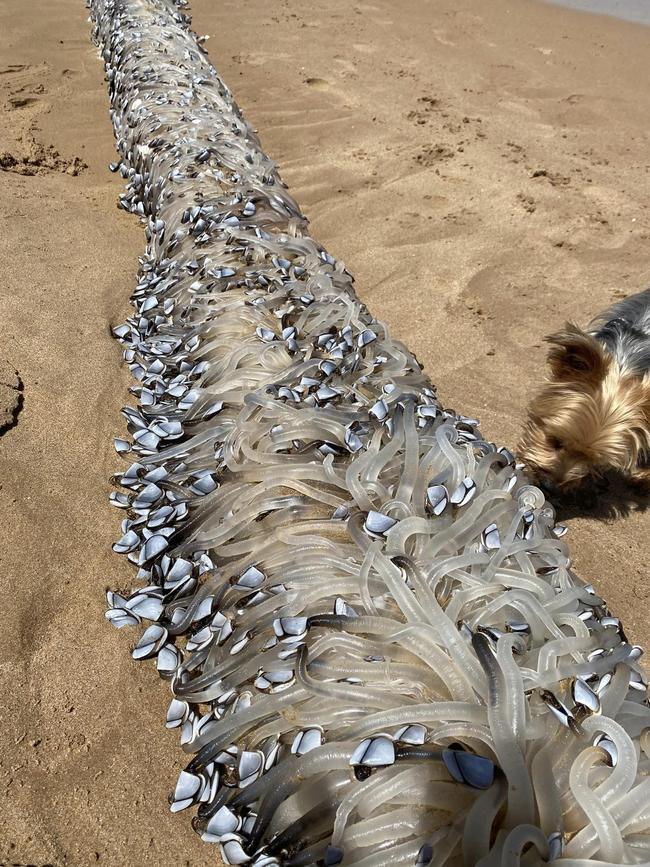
point(593, 416)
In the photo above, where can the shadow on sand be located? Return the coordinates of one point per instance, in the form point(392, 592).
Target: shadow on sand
point(604, 499)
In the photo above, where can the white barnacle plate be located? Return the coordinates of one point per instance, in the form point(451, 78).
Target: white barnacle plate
point(374, 752)
point(187, 790)
point(151, 640)
point(307, 740)
point(437, 498)
point(379, 524)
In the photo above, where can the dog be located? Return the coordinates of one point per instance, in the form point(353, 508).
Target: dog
point(593, 416)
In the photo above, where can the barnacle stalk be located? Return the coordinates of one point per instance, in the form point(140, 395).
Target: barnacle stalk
point(377, 650)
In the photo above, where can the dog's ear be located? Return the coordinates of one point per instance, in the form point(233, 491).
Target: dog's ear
point(576, 355)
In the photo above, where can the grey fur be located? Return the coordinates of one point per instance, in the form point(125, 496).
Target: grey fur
point(624, 330)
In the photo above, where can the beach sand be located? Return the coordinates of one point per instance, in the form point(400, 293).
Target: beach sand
point(484, 175)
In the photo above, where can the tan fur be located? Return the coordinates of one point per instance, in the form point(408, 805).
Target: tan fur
point(591, 417)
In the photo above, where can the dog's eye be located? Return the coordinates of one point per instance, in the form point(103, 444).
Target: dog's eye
point(555, 443)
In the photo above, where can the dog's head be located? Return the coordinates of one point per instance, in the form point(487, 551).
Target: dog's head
point(591, 417)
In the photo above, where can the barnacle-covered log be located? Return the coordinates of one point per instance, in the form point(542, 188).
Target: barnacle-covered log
point(377, 650)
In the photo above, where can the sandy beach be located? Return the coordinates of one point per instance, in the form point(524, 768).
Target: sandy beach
point(484, 176)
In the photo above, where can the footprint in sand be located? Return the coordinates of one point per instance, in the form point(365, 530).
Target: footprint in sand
point(17, 77)
point(423, 113)
point(28, 156)
point(318, 83)
point(11, 396)
point(21, 101)
point(13, 68)
point(429, 155)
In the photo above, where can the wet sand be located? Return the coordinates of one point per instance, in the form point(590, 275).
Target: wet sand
point(483, 177)
point(628, 10)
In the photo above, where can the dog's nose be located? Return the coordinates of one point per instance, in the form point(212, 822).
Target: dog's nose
point(548, 486)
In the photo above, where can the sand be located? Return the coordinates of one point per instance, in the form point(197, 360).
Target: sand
point(484, 176)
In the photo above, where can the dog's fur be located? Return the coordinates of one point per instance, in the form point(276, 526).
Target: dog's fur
point(594, 413)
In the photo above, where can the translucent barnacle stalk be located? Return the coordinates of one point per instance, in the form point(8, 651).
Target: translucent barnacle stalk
point(376, 648)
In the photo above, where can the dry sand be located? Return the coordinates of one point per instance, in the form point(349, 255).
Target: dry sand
point(483, 174)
